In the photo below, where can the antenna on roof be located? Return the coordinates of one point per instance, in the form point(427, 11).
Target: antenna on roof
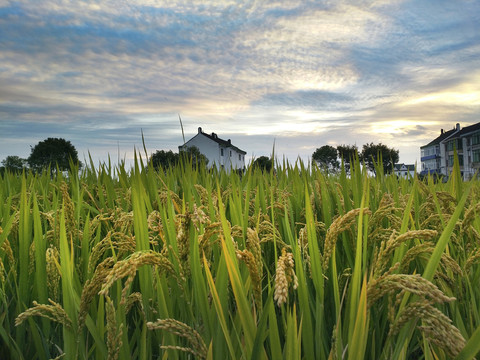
point(181, 125)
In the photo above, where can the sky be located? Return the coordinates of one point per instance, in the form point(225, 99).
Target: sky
point(289, 75)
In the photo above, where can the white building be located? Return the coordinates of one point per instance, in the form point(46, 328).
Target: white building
point(438, 156)
point(433, 157)
point(404, 171)
point(466, 142)
point(219, 152)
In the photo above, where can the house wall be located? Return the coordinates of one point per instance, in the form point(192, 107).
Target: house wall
point(233, 159)
point(207, 147)
point(471, 154)
point(443, 159)
point(213, 151)
point(431, 158)
point(404, 173)
point(467, 145)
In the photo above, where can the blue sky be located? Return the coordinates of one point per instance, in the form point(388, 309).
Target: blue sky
point(300, 74)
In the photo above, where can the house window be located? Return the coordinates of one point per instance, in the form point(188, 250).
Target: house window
point(239, 157)
point(221, 152)
point(476, 155)
point(450, 160)
point(230, 153)
point(457, 144)
point(476, 139)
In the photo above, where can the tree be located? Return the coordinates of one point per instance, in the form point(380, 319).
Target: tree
point(374, 153)
point(14, 163)
point(164, 159)
point(347, 153)
point(193, 154)
point(326, 157)
point(53, 152)
point(264, 163)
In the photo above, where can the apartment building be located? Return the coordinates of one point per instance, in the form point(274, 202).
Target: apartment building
point(437, 157)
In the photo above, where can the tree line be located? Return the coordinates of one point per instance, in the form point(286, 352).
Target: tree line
point(52, 153)
point(58, 153)
point(372, 155)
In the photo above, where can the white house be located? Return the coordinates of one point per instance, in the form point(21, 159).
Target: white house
point(219, 152)
point(404, 171)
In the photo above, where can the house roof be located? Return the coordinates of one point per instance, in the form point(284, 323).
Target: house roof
point(444, 135)
point(398, 167)
point(221, 142)
point(468, 129)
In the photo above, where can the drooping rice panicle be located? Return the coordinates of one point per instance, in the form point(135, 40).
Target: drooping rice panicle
point(198, 347)
point(54, 312)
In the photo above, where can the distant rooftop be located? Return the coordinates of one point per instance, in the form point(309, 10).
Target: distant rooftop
point(221, 142)
point(443, 135)
point(468, 129)
point(409, 167)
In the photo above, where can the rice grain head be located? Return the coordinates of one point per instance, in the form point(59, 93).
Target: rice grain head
point(284, 277)
point(129, 266)
point(255, 274)
point(415, 284)
point(54, 312)
point(198, 347)
point(338, 226)
point(91, 289)
point(114, 332)
point(435, 325)
point(53, 272)
point(387, 248)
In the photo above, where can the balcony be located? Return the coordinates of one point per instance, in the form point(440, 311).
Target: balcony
point(429, 157)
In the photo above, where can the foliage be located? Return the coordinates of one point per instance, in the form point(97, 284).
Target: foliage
point(264, 163)
point(379, 155)
point(164, 159)
point(347, 153)
point(192, 154)
point(14, 163)
point(134, 264)
point(326, 158)
point(53, 152)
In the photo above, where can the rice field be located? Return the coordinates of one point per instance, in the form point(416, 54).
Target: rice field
point(110, 263)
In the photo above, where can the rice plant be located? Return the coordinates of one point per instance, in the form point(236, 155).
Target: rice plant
point(183, 263)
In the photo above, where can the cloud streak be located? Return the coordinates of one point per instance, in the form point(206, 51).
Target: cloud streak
point(305, 73)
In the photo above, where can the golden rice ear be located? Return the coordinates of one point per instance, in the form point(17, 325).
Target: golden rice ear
point(338, 226)
point(434, 324)
point(387, 248)
point(54, 312)
point(255, 274)
point(128, 268)
point(114, 331)
point(284, 277)
point(415, 284)
point(7, 249)
point(92, 287)
point(198, 347)
point(53, 273)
